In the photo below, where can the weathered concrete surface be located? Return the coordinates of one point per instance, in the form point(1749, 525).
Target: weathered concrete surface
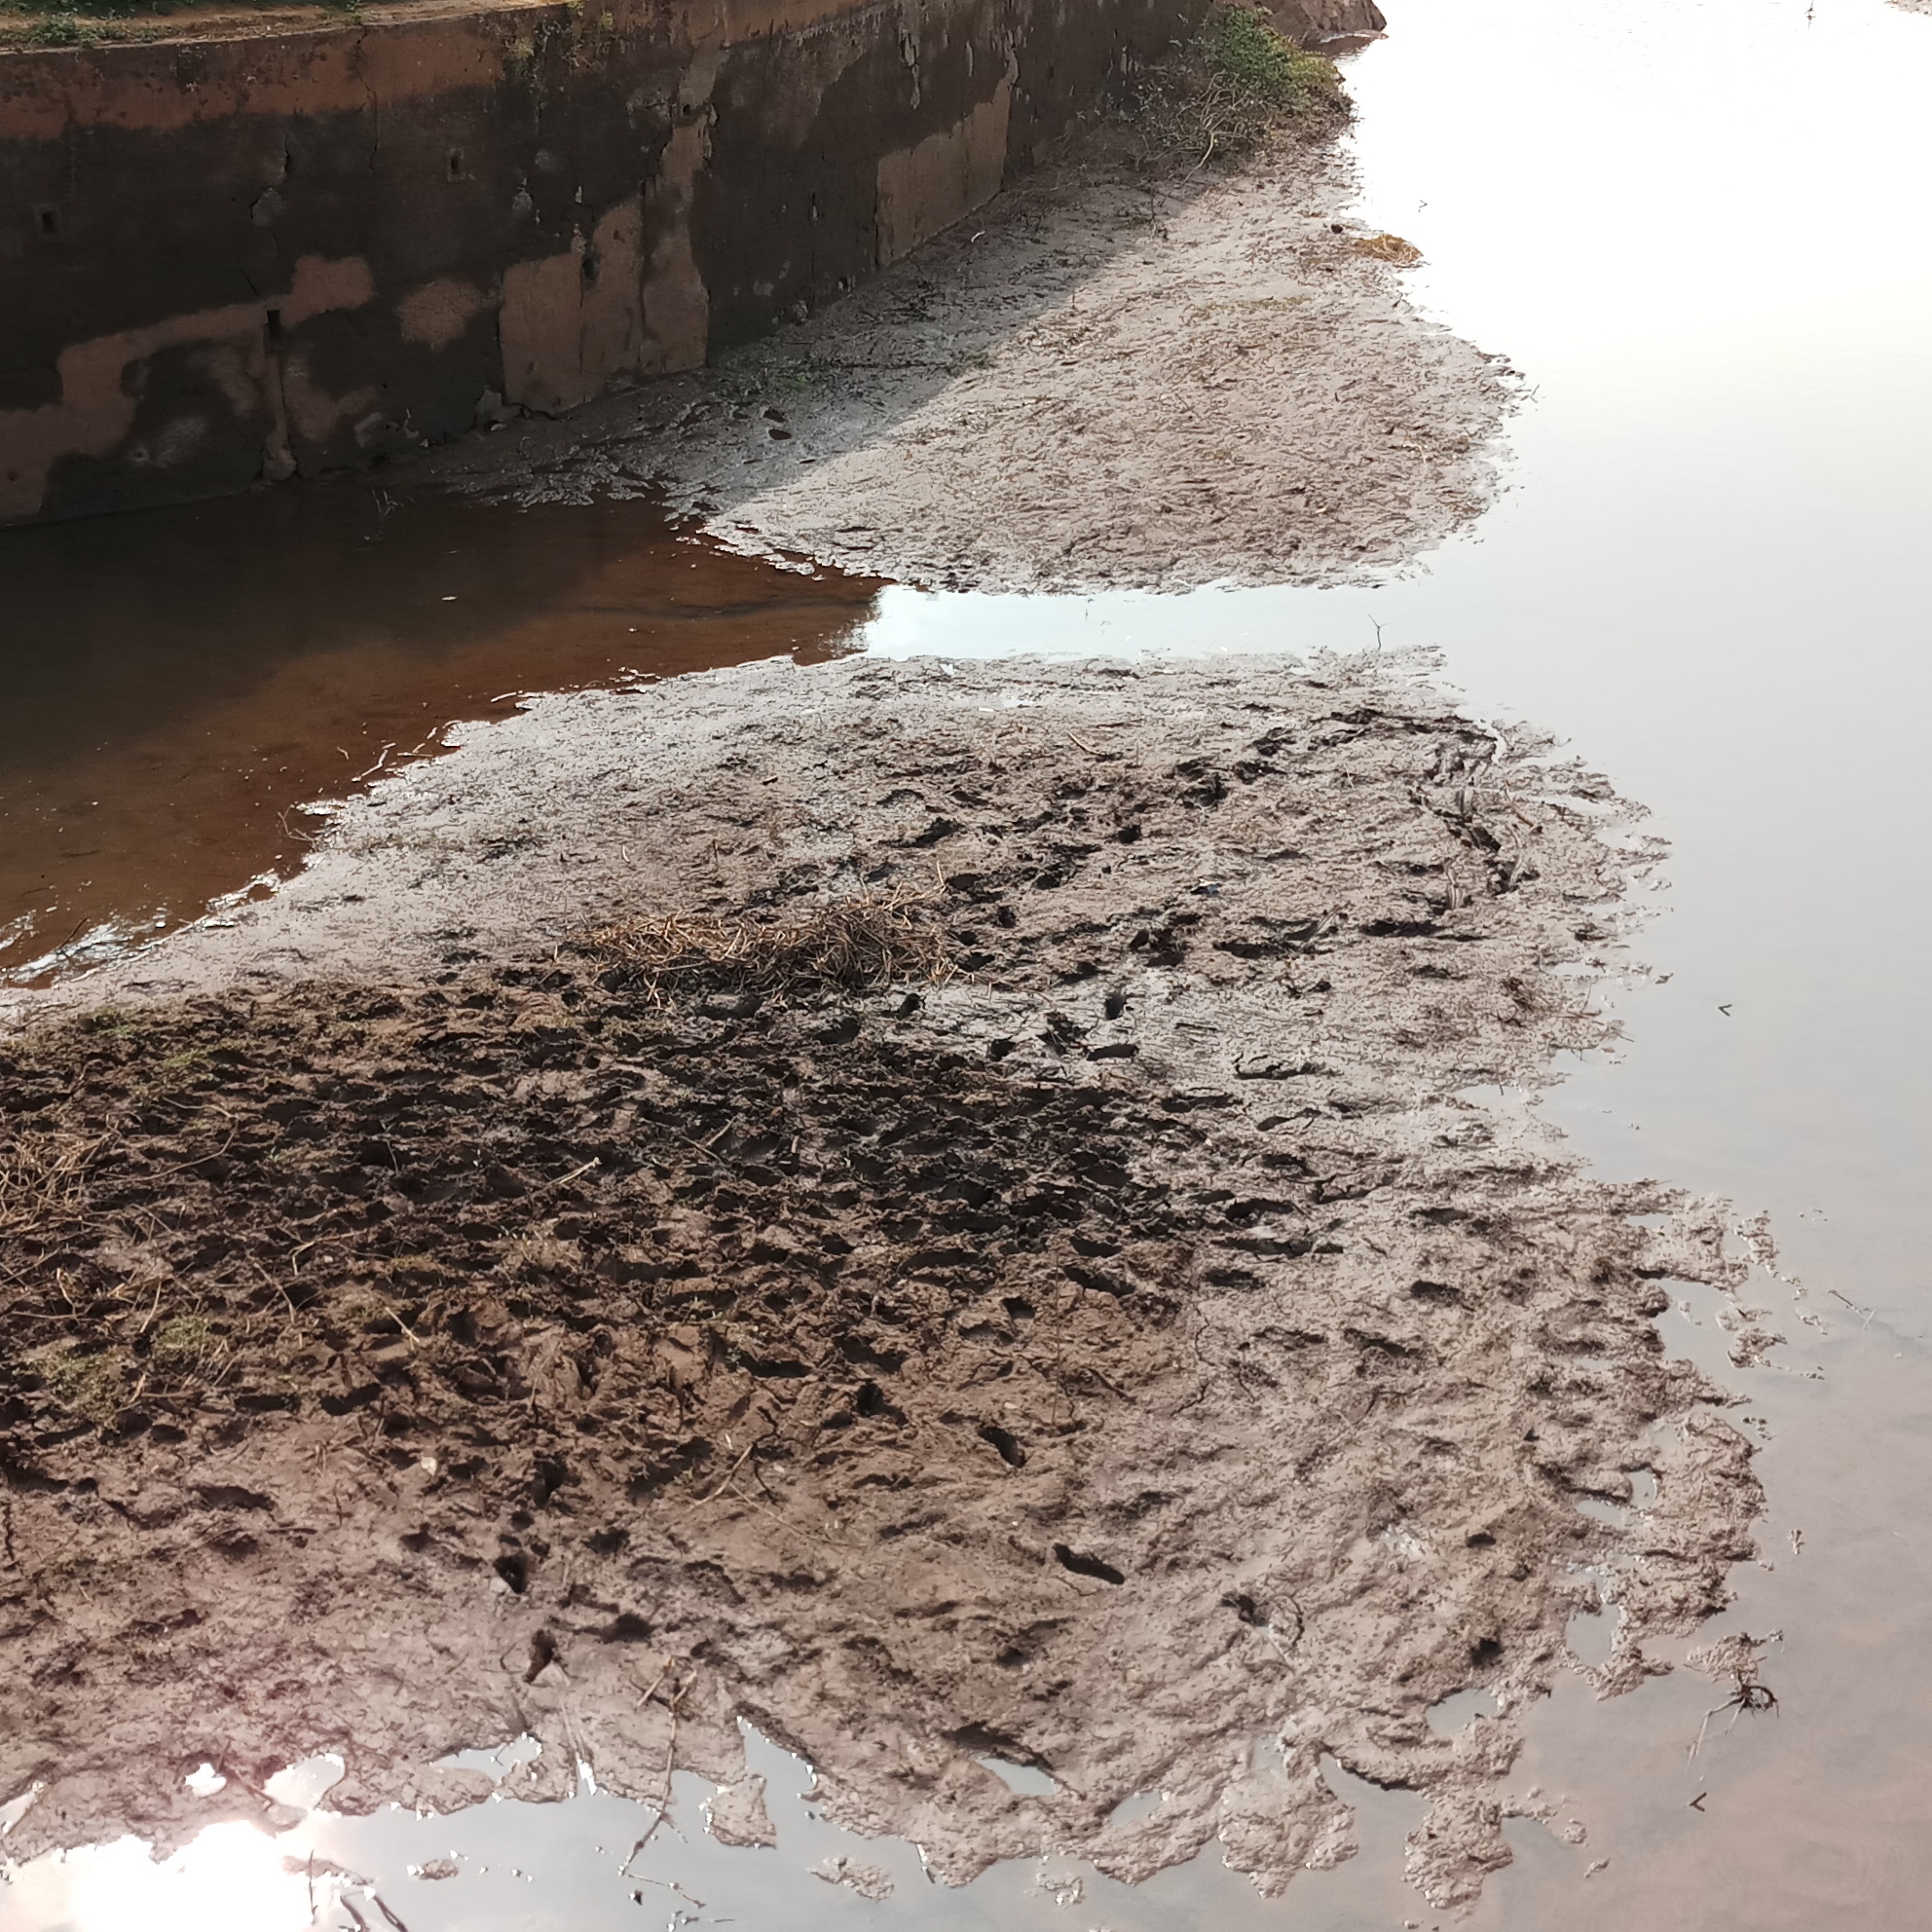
point(247, 256)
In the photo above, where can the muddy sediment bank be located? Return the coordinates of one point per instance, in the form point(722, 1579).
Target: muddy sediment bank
point(1114, 376)
point(1110, 1331)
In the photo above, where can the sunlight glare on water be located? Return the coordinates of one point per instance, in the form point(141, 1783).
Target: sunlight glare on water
point(231, 1877)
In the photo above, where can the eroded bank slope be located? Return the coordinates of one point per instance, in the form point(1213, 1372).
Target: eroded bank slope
point(1106, 1333)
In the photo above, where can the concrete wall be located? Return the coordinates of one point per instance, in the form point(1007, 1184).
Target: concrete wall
point(229, 259)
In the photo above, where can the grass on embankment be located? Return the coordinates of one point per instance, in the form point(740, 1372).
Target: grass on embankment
point(1235, 85)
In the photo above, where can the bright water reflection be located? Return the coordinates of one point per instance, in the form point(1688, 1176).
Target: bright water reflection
point(231, 1878)
point(1700, 226)
point(597, 1864)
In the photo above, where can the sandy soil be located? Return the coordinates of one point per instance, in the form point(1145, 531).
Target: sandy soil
point(1133, 1341)
point(1110, 377)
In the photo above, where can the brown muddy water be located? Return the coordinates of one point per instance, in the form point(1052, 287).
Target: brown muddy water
point(1700, 228)
point(180, 682)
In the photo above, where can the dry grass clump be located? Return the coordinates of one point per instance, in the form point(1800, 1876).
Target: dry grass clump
point(1237, 84)
point(1388, 248)
point(869, 939)
point(44, 1174)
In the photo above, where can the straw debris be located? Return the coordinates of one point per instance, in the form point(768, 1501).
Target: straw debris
point(865, 939)
point(1388, 248)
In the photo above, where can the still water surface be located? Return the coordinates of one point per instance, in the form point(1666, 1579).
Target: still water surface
point(180, 683)
point(1702, 228)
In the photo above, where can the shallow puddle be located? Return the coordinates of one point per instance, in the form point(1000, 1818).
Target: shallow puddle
point(180, 682)
point(595, 1863)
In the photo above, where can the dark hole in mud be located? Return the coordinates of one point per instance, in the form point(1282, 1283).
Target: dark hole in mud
point(224, 1495)
point(872, 1403)
point(1244, 1606)
point(1083, 1564)
point(513, 1567)
point(990, 1740)
point(543, 1651)
point(628, 1627)
point(1006, 1442)
point(1099, 1281)
point(1438, 1293)
point(1485, 1652)
point(862, 1348)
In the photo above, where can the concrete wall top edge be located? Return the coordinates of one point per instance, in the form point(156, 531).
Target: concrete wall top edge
point(47, 92)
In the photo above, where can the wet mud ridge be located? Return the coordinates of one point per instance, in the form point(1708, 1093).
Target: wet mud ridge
point(945, 1214)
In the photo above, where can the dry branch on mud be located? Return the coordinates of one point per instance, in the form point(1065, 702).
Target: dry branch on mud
point(1134, 1343)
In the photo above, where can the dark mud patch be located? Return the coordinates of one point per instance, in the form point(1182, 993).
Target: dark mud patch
point(1118, 1341)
